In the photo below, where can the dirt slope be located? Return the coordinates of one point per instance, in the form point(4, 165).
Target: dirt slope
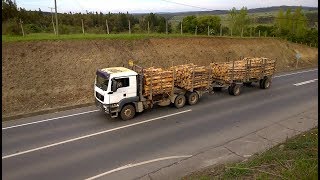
point(49, 74)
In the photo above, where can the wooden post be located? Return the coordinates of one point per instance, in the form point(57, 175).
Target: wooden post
point(129, 28)
point(148, 28)
point(82, 26)
point(259, 33)
point(231, 31)
point(57, 24)
point(54, 29)
point(21, 27)
point(241, 32)
point(265, 34)
point(166, 26)
point(107, 26)
point(181, 28)
point(195, 32)
point(220, 29)
point(250, 31)
point(208, 31)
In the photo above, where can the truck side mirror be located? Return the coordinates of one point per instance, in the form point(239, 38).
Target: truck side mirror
point(113, 85)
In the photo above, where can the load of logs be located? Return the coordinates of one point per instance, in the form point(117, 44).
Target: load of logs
point(190, 76)
point(246, 68)
point(157, 81)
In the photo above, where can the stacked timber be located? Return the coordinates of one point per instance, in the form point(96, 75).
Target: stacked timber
point(240, 70)
point(190, 76)
point(157, 81)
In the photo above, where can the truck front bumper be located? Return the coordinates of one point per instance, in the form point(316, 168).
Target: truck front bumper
point(107, 108)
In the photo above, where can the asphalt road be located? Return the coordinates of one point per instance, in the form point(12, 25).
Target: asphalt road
point(69, 145)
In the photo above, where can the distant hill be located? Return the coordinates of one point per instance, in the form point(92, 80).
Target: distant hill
point(220, 12)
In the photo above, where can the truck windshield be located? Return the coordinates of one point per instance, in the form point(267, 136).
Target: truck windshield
point(102, 82)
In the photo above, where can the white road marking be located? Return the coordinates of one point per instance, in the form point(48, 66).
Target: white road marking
point(51, 119)
point(137, 164)
point(90, 135)
point(295, 73)
point(98, 110)
point(305, 82)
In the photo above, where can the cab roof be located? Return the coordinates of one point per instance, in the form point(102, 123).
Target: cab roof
point(119, 71)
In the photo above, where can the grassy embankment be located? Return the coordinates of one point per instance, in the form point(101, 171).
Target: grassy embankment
point(297, 158)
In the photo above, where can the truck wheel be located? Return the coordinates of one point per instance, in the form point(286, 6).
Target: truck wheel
point(180, 101)
point(127, 112)
point(266, 83)
point(236, 90)
point(193, 98)
point(230, 89)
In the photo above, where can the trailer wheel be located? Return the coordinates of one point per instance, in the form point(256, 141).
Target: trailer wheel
point(180, 101)
point(192, 98)
point(127, 112)
point(266, 83)
point(236, 90)
point(230, 89)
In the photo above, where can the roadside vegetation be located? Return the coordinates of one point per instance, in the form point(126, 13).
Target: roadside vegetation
point(296, 25)
point(297, 158)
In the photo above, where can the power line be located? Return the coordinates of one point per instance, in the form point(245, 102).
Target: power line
point(187, 5)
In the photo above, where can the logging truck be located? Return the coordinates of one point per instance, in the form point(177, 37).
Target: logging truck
point(123, 92)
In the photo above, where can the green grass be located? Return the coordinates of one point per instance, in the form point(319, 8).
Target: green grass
point(50, 36)
point(297, 158)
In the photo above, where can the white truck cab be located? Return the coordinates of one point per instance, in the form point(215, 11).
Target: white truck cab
point(114, 88)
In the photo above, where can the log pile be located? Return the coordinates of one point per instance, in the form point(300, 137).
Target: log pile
point(157, 81)
point(243, 69)
point(190, 76)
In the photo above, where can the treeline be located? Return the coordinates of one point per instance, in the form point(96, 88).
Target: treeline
point(70, 23)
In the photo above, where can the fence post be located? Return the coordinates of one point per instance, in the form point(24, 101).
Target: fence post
point(195, 32)
point(231, 31)
point(241, 32)
point(166, 26)
point(259, 33)
point(208, 30)
point(148, 28)
point(21, 27)
point(181, 28)
point(129, 27)
point(107, 26)
point(250, 31)
point(82, 26)
point(220, 29)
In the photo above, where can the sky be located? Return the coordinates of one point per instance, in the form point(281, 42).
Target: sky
point(147, 6)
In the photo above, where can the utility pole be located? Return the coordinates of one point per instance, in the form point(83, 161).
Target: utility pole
point(54, 28)
point(107, 26)
point(55, 6)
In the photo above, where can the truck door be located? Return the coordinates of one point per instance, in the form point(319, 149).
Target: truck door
point(122, 89)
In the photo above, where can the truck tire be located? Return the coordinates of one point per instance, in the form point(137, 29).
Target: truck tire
point(180, 101)
point(266, 83)
point(236, 90)
point(230, 89)
point(127, 112)
point(192, 98)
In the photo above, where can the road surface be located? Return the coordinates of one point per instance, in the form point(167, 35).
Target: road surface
point(85, 144)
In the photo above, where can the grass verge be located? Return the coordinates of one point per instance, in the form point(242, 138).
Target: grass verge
point(50, 36)
point(297, 158)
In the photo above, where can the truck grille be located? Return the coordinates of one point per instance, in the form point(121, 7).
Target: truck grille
point(99, 96)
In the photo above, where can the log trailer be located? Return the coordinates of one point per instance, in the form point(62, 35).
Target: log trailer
point(118, 91)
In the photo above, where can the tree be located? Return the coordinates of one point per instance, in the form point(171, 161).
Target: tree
point(238, 20)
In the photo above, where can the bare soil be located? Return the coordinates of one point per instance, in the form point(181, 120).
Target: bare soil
point(42, 75)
